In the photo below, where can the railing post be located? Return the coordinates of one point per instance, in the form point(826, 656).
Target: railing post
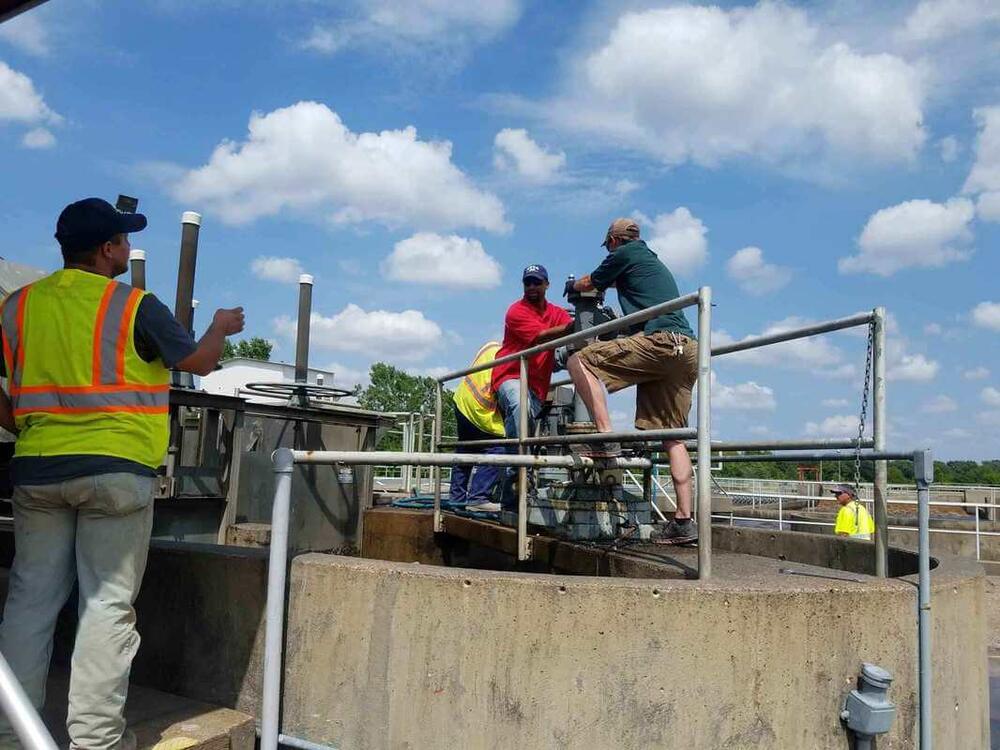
point(879, 489)
point(923, 471)
point(23, 717)
point(420, 449)
point(274, 631)
point(704, 432)
point(436, 471)
point(408, 447)
point(523, 545)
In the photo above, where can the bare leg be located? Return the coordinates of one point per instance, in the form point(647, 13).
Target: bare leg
point(591, 391)
point(682, 474)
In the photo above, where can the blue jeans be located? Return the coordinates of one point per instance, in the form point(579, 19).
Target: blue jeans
point(93, 530)
point(509, 401)
point(474, 484)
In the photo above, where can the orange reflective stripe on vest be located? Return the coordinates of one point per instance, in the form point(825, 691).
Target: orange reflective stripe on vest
point(108, 392)
point(484, 397)
point(12, 321)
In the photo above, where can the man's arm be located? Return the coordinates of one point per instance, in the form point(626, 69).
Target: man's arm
point(159, 335)
point(204, 359)
point(7, 413)
point(550, 334)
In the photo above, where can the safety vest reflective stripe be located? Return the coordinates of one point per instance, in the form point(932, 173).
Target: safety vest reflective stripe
point(485, 398)
point(147, 400)
point(108, 392)
point(111, 334)
point(12, 320)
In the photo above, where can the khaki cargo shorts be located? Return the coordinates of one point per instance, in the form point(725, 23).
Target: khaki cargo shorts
point(662, 365)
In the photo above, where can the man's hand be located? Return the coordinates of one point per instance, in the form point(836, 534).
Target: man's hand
point(229, 321)
point(570, 287)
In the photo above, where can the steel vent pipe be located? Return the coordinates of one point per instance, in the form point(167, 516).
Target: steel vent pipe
point(302, 329)
point(137, 263)
point(190, 227)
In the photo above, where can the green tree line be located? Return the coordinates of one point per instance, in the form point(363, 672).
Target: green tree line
point(391, 389)
point(899, 472)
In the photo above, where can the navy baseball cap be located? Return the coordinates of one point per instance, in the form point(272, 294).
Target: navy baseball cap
point(535, 272)
point(92, 221)
point(845, 488)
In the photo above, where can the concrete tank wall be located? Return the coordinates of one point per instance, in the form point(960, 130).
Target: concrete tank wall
point(389, 655)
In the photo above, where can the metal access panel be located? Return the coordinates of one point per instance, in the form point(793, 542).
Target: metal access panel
point(327, 501)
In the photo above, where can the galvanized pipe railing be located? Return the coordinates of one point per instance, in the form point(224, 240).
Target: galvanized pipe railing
point(703, 298)
point(285, 460)
point(21, 714)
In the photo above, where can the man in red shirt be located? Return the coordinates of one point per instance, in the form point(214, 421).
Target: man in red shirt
point(530, 321)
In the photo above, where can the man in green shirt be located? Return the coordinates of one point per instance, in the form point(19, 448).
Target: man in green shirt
point(660, 358)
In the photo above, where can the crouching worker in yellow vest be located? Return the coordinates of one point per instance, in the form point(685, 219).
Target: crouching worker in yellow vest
point(86, 362)
point(478, 418)
point(853, 519)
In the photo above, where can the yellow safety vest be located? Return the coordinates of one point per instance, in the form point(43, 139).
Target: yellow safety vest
point(474, 397)
point(854, 520)
point(76, 382)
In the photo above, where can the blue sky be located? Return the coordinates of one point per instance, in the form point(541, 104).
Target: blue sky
point(806, 160)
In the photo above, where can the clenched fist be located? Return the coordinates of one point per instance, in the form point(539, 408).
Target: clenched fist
point(230, 321)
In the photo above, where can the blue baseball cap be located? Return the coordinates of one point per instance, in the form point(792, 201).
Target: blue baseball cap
point(535, 271)
point(92, 221)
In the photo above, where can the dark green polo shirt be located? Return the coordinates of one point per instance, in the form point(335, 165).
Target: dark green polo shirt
point(642, 281)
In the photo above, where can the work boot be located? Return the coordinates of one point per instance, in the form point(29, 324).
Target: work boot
point(676, 532)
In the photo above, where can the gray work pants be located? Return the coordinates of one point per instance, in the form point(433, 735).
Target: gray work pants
point(94, 529)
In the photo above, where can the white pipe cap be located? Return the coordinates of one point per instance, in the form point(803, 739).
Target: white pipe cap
point(137, 255)
point(191, 217)
point(306, 278)
point(194, 303)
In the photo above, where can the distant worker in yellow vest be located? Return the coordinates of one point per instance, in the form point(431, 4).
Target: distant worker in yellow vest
point(478, 418)
point(853, 519)
point(86, 360)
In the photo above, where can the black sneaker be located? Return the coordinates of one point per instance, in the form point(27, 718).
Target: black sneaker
point(676, 532)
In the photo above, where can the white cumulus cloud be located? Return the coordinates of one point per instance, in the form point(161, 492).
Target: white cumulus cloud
point(976, 373)
point(904, 365)
point(949, 148)
point(704, 84)
point(20, 101)
point(515, 151)
point(987, 315)
point(990, 396)
point(984, 177)
point(940, 404)
point(913, 234)
point(27, 33)
point(38, 138)
point(413, 25)
point(840, 425)
point(814, 354)
point(931, 20)
point(303, 158)
point(451, 261)
point(284, 270)
point(747, 396)
point(678, 238)
point(748, 269)
point(405, 336)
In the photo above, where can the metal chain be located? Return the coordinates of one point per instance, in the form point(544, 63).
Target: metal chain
point(864, 408)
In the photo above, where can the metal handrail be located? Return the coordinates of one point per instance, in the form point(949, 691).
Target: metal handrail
point(688, 300)
point(21, 713)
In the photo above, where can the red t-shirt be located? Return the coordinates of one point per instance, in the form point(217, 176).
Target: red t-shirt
point(522, 324)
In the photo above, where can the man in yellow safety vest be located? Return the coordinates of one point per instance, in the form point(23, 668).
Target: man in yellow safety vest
point(87, 394)
point(853, 519)
point(478, 418)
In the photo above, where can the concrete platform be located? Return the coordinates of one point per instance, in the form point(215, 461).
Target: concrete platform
point(161, 720)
